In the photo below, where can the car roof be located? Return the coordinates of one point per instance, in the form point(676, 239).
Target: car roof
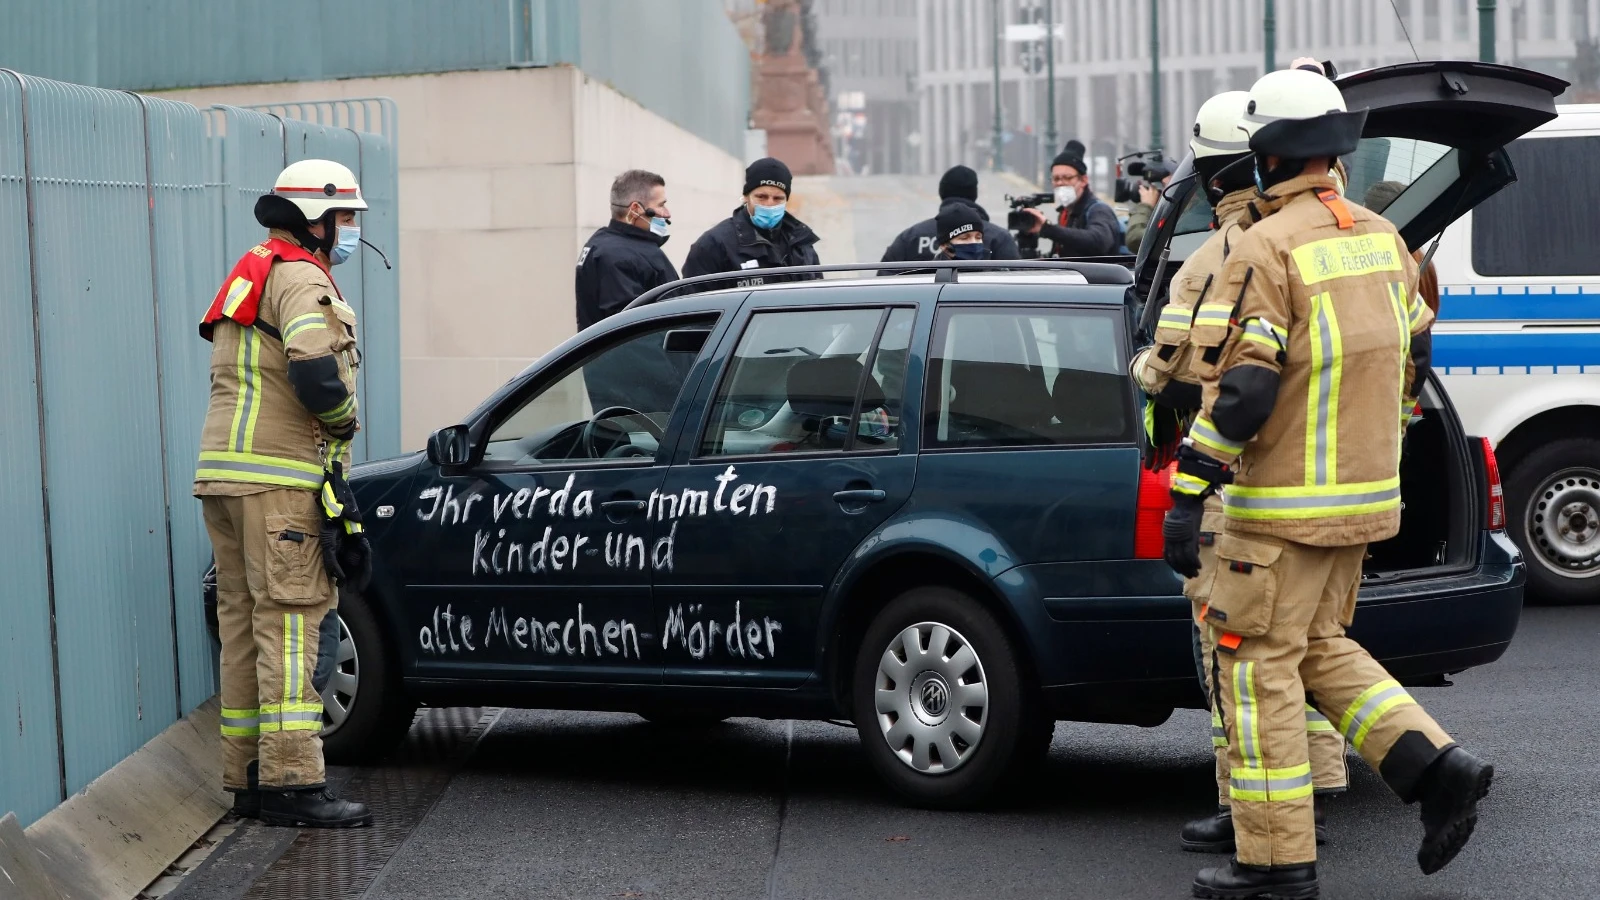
point(1012, 286)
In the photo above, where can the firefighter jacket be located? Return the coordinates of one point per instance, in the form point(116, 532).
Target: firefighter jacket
point(1305, 353)
point(281, 383)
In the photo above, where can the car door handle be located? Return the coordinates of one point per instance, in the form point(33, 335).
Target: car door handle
point(623, 506)
point(866, 495)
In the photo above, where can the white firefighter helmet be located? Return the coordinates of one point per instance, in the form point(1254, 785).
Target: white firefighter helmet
point(1216, 126)
point(317, 186)
point(1298, 114)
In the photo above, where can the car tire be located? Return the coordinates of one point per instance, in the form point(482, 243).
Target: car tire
point(380, 711)
point(1553, 514)
point(909, 698)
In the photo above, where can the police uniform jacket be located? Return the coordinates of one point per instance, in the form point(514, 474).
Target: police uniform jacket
point(619, 263)
point(736, 244)
point(918, 243)
point(1308, 345)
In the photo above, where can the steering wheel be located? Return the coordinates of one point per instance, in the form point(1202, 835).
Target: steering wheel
point(586, 437)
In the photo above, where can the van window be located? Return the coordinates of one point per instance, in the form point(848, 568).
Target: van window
point(1026, 377)
point(1541, 225)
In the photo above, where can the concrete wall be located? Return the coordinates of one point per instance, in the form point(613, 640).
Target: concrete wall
point(503, 177)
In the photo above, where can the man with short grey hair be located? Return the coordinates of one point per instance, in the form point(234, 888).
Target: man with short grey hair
point(624, 259)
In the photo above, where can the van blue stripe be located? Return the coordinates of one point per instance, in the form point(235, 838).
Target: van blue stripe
point(1521, 349)
point(1518, 304)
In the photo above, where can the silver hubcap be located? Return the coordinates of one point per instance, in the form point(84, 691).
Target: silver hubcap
point(931, 698)
point(340, 696)
point(1564, 522)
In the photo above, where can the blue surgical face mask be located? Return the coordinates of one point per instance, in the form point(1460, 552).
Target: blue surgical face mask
point(974, 250)
point(1256, 169)
point(660, 227)
point(349, 241)
point(767, 216)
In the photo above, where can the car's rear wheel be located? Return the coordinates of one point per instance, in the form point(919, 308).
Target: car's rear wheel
point(1553, 499)
point(367, 710)
point(939, 699)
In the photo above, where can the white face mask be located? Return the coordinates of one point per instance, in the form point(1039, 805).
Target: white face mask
point(1066, 195)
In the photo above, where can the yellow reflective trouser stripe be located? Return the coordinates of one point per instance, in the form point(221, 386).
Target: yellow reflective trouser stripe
point(241, 722)
point(291, 717)
point(1371, 706)
point(247, 368)
point(1244, 714)
point(1262, 785)
point(1185, 483)
point(1316, 721)
point(307, 322)
point(1311, 501)
point(257, 468)
point(1322, 400)
point(237, 291)
point(1203, 432)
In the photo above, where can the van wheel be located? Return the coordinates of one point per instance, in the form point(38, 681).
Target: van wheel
point(1553, 510)
point(374, 712)
point(939, 699)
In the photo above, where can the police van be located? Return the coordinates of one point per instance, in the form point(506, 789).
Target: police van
point(1517, 345)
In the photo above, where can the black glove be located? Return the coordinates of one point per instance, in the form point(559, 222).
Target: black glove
point(343, 432)
point(355, 558)
point(328, 539)
point(1181, 532)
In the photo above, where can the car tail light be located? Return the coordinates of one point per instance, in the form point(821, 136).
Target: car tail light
point(1497, 494)
point(1155, 498)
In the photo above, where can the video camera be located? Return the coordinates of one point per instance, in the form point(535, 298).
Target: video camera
point(1146, 167)
point(1018, 222)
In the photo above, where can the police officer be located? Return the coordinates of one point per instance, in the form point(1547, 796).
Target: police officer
point(282, 411)
point(1305, 350)
point(960, 233)
point(1085, 224)
point(1222, 168)
point(958, 186)
point(761, 233)
point(624, 259)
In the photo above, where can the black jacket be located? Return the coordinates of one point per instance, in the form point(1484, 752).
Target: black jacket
point(619, 263)
point(916, 243)
point(1091, 229)
point(736, 243)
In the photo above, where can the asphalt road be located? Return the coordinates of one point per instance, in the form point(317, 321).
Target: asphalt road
point(558, 805)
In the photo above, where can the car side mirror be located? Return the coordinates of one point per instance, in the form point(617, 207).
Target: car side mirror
point(685, 340)
point(450, 446)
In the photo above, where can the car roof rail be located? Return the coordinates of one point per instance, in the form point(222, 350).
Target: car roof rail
point(944, 272)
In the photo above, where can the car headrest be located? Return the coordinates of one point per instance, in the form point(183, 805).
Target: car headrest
point(826, 386)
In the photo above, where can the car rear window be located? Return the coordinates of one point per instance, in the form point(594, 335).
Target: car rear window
point(1540, 225)
point(1026, 377)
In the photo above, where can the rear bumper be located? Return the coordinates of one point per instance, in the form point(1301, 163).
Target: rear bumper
point(1127, 654)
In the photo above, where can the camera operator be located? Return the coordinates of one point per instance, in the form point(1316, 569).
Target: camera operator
point(1139, 215)
point(1085, 224)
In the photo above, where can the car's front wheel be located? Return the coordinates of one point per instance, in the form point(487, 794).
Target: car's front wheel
point(1553, 503)
point(366, 708)
point(939, 699)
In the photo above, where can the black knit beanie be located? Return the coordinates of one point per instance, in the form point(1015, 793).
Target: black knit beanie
point(954, 220)
point(959, 181)
point(767, 171)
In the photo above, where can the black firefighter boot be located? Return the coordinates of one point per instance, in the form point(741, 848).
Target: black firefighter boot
point(1214, 833)
point(311, 808)
point(1236, 881)
point(247, 803)
point(1449, 792)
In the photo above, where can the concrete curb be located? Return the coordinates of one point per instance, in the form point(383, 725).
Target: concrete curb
point(119, 833)
point(21, 868)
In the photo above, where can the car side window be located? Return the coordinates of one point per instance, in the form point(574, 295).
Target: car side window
point(1026, 377)
point(612, 405)
point(813, 380)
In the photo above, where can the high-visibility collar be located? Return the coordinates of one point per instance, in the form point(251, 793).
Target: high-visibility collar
point(239, 298)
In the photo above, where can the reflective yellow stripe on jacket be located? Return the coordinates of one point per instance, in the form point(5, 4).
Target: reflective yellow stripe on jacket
point(257, 468)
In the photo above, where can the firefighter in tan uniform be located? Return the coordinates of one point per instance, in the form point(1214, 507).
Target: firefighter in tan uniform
point(1221, 162)
point(282, 412)
point(1306, 352)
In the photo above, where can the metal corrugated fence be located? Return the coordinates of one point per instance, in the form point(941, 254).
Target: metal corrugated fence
point(119, 216)
point(683, 60)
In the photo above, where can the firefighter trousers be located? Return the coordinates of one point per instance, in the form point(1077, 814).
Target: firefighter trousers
point(272, 594)
point(1303, 597)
